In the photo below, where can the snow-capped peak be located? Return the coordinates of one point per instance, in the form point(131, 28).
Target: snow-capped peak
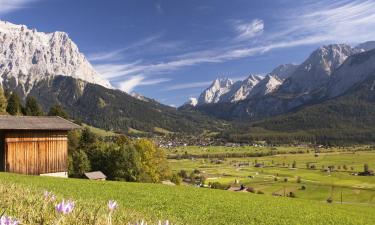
point(27, 56)
point(284, 71)
point(317, 69)
point(219, 87)
point(244, 88)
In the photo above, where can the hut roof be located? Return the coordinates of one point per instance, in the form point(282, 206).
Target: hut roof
point(35, 123)
point(96, 175)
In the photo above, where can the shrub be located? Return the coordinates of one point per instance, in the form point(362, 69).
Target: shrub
point(298, 179)
point(217, 185)
point(176, 179)
point(285, 179)
point(183, 174)
point(260, 192)
point(292, 195)
point(329, 200)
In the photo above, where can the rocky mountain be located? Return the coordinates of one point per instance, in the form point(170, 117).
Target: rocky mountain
point(218, 88)
point(284, 71)
point(28, 56)
point(330, 71)
point(50, 67)
point(266, 86)
point(353, 71)
point(226, 90)
point(315, 72)
point(242, 89)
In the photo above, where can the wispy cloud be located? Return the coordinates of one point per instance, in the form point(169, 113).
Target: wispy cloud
point(188, 85)
point(247, 30)
point(159, 8)
point(339, 21)
point(139, 80)
point(117, 54)
point(307, 24)
point(7, 6)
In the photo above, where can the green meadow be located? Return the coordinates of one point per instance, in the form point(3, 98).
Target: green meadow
point(310, 179)
point(178, 204)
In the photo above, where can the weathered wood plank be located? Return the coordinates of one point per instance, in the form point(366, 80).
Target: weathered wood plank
point(36, 152)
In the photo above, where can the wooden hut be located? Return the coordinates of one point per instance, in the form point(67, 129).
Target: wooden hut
point(34, 145)
point(96, 175)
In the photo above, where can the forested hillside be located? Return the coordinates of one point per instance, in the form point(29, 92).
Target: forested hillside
point(346, 119)
point(115, 110)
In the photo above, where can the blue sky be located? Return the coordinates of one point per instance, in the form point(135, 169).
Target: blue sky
point(171, 50)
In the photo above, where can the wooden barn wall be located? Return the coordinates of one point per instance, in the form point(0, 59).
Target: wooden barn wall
point(2, 152)
point(35, 152)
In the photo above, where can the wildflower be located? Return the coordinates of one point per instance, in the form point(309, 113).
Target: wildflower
point(112, 205)
point(165, 223)
point(65, 207)
point(4, 220)
point(141, 223)
point(49, 196)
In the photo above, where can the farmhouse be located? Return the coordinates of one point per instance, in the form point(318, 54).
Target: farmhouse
point(34, 145)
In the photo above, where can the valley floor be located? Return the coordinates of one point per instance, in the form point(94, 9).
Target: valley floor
point(310, 178)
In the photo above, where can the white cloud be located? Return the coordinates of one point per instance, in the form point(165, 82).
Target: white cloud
point(338, 21)
point(7, 6)
point(131, 83)
point(117, 54)
point(138, 80)
point(159, 8)
point(189, 85)
point(250, 29)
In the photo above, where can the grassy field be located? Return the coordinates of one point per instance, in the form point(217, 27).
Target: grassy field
point(179, 204)
point(270, 179)
point(223, 151)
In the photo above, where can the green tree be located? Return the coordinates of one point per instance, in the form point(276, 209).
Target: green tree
point(32, 107)
point(14, 104)
point(3, 102)
point(88, 138)
point(57, 110)
point(80, 164)
point(366, 168)
point(154, 162)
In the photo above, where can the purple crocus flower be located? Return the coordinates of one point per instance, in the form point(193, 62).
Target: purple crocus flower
point(141, 223)
point(112, 205)
point(65, 207)
point(49, 196)
point(163, 223)
point(4, 220)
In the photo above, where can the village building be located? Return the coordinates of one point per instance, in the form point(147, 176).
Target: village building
point(34, 145)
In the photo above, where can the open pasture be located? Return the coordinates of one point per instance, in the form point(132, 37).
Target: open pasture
point(307, 175)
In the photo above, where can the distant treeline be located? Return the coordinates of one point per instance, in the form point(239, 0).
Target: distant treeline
point(235, 154)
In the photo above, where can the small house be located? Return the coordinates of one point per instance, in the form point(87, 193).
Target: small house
point(95, 175)
point(34, 145)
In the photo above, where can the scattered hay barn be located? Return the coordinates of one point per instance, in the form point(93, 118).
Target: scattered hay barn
point(34, 145)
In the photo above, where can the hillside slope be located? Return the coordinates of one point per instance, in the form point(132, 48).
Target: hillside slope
point(190, 205)
point(115, 110)
point(348, 118)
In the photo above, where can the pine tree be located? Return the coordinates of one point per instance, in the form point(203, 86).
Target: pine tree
point(32, 107)
point(3, 102)
point(57, 110)
point(14, 104)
